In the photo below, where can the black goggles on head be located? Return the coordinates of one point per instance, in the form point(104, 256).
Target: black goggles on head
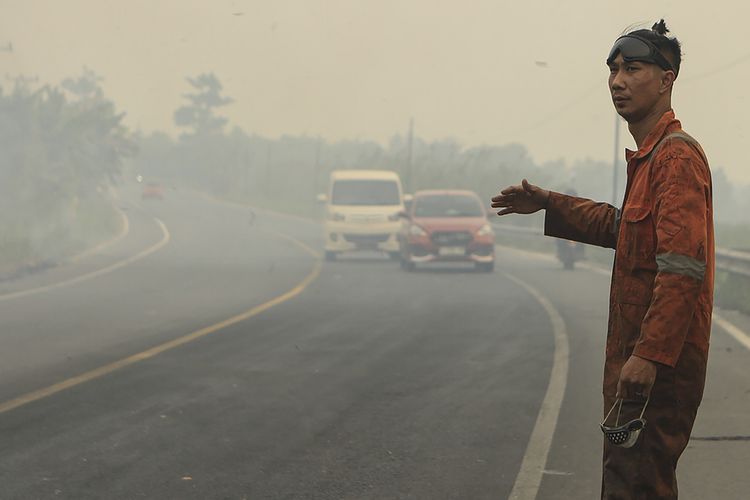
point(634, 48)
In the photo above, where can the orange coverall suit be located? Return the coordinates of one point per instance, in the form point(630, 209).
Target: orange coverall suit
point(661, 298)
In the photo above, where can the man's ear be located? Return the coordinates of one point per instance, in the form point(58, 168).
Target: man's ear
point(667, 80)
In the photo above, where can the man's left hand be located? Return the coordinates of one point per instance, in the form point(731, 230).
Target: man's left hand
point(636, 378)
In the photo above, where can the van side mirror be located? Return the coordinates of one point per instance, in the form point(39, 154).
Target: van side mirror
point(408, 200)
point(322, 198)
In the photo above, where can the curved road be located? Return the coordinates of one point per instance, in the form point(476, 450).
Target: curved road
point(371, 383)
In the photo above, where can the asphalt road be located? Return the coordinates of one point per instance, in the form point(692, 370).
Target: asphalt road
point(364, 382)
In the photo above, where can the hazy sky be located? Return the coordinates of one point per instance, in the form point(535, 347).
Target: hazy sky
point(359, 69)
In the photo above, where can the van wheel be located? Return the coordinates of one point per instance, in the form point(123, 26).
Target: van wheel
point(407, 265)
point(330, 256)
point(486, 267)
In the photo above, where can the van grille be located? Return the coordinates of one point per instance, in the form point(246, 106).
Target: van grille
point(366, 239)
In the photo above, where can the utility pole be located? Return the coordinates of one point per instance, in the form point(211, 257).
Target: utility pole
point(616, 160)
point(316, 167)
point(410, 147)
point(268, 170)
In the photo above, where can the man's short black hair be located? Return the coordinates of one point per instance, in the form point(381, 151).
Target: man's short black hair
point(669, 46)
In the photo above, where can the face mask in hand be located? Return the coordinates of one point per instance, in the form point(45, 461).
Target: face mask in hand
point(625, 435)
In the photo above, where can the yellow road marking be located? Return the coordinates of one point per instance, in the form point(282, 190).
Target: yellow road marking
point(150, 353)
point(93, 274)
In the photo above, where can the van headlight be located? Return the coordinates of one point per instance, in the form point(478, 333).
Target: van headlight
point(485, 230)
point(415, 230)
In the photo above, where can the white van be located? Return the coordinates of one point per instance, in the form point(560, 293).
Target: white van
point(362, 212)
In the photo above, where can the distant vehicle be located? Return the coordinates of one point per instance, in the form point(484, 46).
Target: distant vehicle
point(152, 191)
point(362, 212)
point(448, 226)
point(569, 252)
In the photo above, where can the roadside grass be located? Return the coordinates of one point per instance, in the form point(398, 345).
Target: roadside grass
point(38, 241)
point(731, 291)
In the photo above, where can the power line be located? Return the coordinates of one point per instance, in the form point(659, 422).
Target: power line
point(549, 117)
point(720, 69)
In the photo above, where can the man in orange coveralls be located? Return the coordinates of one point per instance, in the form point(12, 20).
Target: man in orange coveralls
point(662, 281)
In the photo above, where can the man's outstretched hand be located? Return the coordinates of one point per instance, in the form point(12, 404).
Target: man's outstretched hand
point(523, 199)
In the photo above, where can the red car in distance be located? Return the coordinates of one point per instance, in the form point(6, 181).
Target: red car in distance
point(447, 226)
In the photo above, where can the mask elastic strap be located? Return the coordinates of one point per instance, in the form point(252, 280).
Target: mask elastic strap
point(618, 403)
point(645, 405)
point(611, 410)
point(619, 409)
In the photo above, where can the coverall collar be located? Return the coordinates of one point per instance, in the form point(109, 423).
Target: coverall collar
point(667, 123)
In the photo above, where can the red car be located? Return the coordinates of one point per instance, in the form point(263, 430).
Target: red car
point(152, 191)
point(449, 226)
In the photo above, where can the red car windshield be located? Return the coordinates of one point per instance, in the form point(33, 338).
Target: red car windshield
point(447, 206)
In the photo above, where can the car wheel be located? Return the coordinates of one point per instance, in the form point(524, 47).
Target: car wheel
point(330, 256)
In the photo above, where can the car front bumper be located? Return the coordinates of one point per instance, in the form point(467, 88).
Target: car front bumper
point(427, 252)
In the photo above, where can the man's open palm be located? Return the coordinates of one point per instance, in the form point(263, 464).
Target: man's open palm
point(521, 199)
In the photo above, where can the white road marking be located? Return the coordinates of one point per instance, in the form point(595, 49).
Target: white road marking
point(557, 473)
point(740, 336)
point(166, 346)
point(93, 274)
point(124, 230)
point(533, 466)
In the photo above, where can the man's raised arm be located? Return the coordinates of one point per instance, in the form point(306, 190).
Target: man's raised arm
point(567, 216)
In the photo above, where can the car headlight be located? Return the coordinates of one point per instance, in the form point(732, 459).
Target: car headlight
point(485, 230)
point(415, 230)
point(336, 217)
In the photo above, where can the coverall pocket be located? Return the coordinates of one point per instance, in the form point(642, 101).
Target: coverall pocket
point(638, 239)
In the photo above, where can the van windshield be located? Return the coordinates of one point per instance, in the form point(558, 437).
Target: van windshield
point(365, 192)
point(447, 206)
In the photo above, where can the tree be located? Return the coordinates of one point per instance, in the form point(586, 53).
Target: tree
point(199, 115)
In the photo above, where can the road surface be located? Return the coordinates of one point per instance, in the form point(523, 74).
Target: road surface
point(211, 354)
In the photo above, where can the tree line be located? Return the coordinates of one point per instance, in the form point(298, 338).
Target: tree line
point(66, 143)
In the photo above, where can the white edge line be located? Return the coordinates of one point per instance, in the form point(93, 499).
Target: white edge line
point(529, 476)
point(156, 350)
point(740, 336)
point(124, 230)
point(93, 274)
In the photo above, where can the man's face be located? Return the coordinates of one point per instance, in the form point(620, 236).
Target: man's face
point(635, 87)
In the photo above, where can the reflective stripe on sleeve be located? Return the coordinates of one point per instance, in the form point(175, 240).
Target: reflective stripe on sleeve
point(681, 264)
